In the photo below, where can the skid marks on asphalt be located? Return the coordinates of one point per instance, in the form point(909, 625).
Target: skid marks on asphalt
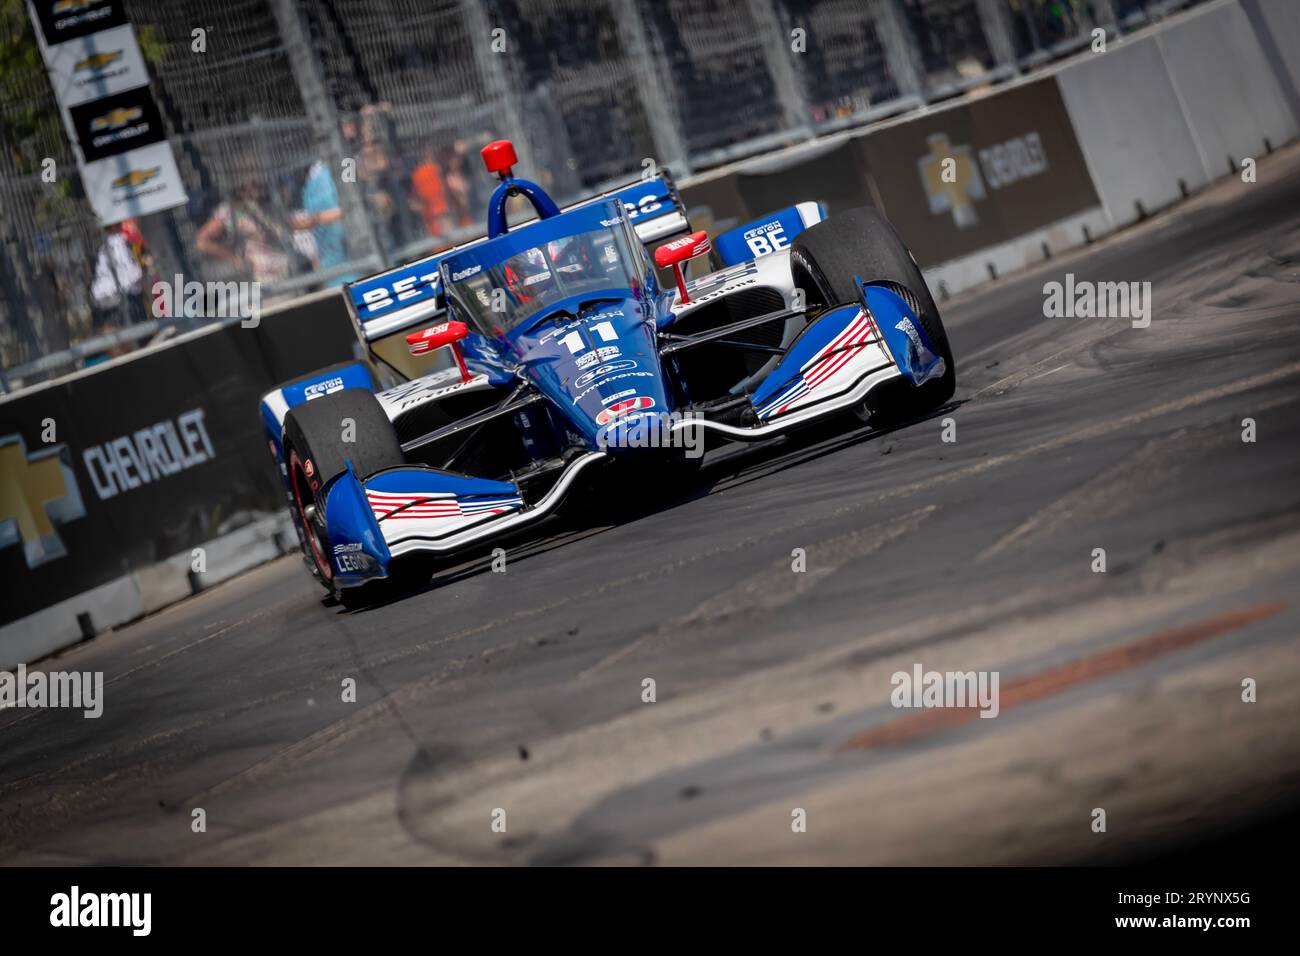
point(382, 716)
point(1041, 685)
point(1110, 493)
point(620, 789)
point(956, 474)
point(1163, 751)
point(114, 776)
point(771, 589)
point(1131, 649)
point(1052, 362)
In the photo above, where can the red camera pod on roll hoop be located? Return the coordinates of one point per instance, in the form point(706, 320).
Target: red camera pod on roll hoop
point(682, 250)
point(499, 157)
point(440, 336)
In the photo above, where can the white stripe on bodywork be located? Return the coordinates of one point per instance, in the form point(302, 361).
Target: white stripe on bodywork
point(275, 401)
point(809, 213)
point(500, 524)
point(378, 328)
point(860, 339)
point(771, 271)
point(402, 398)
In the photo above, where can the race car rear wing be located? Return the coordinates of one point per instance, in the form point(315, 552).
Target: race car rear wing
point(392, 301)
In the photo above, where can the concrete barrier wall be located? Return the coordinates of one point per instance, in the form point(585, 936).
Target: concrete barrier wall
point(1277, 27)
point(1161, 115)
point(1131, 127)
point(111, 478)
point(1233, 102)
point(142, 591)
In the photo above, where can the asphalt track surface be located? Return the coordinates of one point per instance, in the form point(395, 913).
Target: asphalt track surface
point(522, 691)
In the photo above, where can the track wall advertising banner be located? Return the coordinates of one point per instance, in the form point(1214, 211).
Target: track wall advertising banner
point(110, 471)
point(958, 180)
point(953, 181)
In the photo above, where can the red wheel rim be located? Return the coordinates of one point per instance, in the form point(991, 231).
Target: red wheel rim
point(296, 476)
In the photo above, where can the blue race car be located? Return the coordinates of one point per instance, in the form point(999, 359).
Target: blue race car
point(504, 370)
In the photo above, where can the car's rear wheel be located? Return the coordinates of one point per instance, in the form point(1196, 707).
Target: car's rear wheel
point(320, 437)
point(860, 242)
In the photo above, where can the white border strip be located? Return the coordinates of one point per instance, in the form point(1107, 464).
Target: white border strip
point(143, 591)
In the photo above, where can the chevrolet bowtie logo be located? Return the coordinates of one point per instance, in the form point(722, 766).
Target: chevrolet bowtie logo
point(116, 119)
point(97, 61)
point(67, 6)
point(136, 177)
point(957, 191)
point(37, 492)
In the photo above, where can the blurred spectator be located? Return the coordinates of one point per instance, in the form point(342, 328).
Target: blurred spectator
point(240, 235)
point(379, 167)
point(324, 216)
point(428, 195)
point(304, 247)
point(372, 159)
point(455, 178)
point(302, 244)
point(135, 237)
point(116, 291)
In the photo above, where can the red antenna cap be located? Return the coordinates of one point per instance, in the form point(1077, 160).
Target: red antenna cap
point(499, 156)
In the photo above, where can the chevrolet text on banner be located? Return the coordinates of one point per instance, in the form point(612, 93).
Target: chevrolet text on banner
point(108, 109)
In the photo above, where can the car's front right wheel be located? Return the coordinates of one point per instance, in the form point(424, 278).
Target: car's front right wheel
point(825, 258)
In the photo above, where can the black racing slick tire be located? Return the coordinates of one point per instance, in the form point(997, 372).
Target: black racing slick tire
point(315, 451)
point(861, 242)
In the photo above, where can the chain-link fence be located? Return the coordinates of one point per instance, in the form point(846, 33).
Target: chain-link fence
point(323, 139)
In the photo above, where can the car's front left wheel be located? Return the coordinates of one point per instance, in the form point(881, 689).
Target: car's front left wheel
point(320, 437)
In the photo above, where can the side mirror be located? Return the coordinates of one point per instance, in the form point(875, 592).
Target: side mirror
point(682, 250)
point(440, 336)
